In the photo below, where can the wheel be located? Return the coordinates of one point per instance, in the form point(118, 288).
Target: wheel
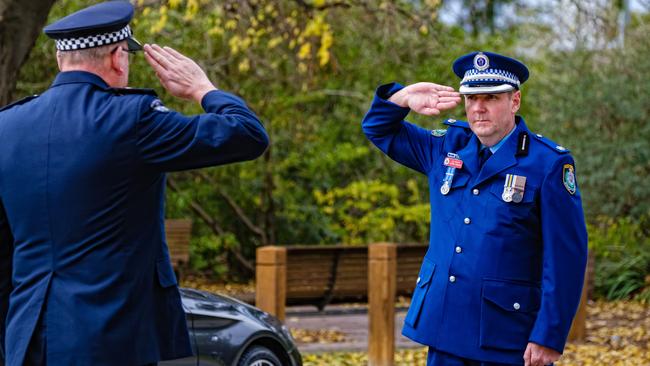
point(259, 356)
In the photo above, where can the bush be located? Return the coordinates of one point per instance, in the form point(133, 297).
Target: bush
point(622, 249)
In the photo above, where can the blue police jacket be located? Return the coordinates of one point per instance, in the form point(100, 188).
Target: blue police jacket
point(82, 247)
point(497, 274)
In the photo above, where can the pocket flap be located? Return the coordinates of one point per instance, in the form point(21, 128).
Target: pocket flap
point(426, 272)
point(511, 296)
point(166, 276)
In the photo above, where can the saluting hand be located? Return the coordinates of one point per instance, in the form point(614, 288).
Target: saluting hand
point(180, 75)
point(426, 98)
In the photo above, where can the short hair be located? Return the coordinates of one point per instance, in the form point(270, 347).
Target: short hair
point(86, 55)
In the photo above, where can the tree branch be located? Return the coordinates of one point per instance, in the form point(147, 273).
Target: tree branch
point(214, 226)
point(233, 205)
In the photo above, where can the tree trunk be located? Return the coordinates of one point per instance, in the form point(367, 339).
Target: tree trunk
point(20, 24)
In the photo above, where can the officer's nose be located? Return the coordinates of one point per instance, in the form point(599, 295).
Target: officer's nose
point(478, 106)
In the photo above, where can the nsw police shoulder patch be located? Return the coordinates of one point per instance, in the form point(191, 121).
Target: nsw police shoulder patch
point(438, 133)
point(569, 178)
point(157, 105)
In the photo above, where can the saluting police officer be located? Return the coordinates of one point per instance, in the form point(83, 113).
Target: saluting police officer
point(502, 277)
point(85, 274)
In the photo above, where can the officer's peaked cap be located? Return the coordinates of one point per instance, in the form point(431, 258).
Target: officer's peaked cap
point(489, 73)
point(98, 25)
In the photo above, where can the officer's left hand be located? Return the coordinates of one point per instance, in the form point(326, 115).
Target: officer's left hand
point(537, 355)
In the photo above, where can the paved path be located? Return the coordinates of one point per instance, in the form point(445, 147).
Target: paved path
point(352, 322)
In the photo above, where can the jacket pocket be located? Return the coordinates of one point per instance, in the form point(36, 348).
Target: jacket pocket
point(508, 313)
point(166, 276)
point(421, 288)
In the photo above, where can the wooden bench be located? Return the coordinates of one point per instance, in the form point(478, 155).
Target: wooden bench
point(178, 233)
point(320, 275)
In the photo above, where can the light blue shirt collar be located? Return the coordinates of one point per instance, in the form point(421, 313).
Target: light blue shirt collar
point(500, 143)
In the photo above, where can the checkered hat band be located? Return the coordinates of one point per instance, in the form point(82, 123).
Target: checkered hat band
point(490, 75)
point(71, 44)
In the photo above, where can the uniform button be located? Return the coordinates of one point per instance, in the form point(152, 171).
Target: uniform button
point(516, 306)
point(475, 191)
point(418, 280)
point(539, 135)
point(459, 250)
point(452, 279)
point(467, 221)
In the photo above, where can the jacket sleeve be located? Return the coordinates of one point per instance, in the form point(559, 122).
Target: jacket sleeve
point(228, 132)
point(406, 143)
point(6, 253)
point(564, 236)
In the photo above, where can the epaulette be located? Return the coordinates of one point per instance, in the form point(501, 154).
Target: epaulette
point(19, 102)
point(130, 91)
point(456, 123)
point(555, 147)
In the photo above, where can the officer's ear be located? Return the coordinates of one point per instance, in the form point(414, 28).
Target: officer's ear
point(118, 61)
point(58, 60)
point(516, 101)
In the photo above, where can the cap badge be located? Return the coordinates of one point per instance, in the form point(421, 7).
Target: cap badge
point(481, 61)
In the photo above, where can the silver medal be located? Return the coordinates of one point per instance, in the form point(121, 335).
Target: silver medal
point(507, 194)
point(517, 197)
point(506, 197)
point(444, 189)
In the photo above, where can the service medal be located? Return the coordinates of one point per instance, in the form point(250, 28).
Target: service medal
point(444, 189)
point(513, 188)
point(452, 162)
point(507, 194)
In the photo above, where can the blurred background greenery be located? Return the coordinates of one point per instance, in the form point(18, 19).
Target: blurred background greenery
point(309, 69)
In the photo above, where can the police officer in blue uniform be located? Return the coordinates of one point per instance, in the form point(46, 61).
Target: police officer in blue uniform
point(502, 277)
point(85, 274)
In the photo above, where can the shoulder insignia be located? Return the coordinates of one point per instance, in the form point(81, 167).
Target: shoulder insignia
point(19, 102)
point(456, 123)
point(552, 145)
point(158, 105)
point(569, 178)
point(438, 133)
point(127, 91)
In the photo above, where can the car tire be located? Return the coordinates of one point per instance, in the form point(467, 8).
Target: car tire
point(259, 356)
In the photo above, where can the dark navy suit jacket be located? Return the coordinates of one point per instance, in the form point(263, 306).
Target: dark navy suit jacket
point(497, 274)
point(82, 245)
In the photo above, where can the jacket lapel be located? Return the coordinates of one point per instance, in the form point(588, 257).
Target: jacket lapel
point(469, 156)
point(504, 158)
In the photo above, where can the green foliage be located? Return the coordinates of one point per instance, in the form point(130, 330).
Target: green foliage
point(370, 211)
point(309, 70)
point(595, 102)
point(622, 249)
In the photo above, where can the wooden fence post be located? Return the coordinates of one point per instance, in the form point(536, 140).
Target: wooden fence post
point(271, 280)
point(382, 282)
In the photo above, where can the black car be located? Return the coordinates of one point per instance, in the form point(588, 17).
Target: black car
point(227, 332)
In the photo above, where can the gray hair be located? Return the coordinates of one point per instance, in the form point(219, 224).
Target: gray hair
point(86, 55)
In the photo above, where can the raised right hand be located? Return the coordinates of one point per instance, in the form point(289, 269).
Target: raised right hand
point(426, 98)
point(180, 75)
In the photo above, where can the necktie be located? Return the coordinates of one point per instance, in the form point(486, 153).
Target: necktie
point(483, 155)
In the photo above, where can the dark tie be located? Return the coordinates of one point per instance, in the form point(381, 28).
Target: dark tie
point(483, 155)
